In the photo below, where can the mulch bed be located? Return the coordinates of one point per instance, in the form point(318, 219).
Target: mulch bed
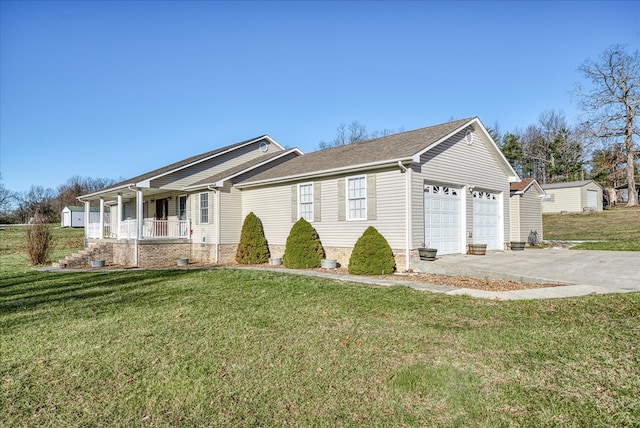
point(454, 281)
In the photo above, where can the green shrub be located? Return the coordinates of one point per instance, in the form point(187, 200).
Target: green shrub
point(304, 249)
point(253, 247)
point(371, 255)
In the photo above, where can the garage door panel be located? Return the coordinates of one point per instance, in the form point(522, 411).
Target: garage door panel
point(442, 218)
point(486, 219)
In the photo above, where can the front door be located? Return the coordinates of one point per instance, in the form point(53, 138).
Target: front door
point(162, 213)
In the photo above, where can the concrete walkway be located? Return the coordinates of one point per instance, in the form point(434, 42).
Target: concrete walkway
point(582, 272)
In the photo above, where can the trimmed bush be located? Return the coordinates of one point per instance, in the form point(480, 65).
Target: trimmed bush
point(371, 255)
point(253, 247)
point(304, 249)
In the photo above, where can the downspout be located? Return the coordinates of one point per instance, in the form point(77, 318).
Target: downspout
point(217, 240)
point(407, 214)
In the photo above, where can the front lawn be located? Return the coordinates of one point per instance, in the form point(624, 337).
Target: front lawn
point(252, 348)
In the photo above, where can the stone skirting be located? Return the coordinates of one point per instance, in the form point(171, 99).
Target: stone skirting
point(161, 253)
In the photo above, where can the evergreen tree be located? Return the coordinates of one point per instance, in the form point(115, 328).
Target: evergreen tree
point(372, 255)
point(253, 247)
point(304, 249)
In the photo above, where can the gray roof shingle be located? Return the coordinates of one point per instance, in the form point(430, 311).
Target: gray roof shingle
point(398, 146)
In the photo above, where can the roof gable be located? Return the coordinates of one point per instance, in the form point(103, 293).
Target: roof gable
point(180, 165)
point(568, 184)
point(521, 187)
point(405, 147)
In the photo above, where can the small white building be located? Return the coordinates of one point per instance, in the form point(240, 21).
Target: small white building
point(526, 209)
point(73, 216)
point(572, 197)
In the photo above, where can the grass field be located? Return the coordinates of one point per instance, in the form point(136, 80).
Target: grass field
point(617, 229)
point(251, 348)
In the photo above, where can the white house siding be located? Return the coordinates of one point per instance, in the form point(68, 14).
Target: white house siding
point(231, 217)
point(203, 170)
point(514, 217)
point(572, 199)
point(530, 214)
point(526, 215)
point(456, 163)
point(273, 206)
point(567, 199)
point(203, 233)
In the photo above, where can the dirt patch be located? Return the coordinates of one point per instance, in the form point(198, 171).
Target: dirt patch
point(475, 283)
point(454, 281)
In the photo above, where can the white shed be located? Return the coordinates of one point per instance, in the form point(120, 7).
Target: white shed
point(526, 209)
point(572, 197)
point(73, 216)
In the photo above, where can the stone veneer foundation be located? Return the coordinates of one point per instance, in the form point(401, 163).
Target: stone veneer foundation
point(156, 253)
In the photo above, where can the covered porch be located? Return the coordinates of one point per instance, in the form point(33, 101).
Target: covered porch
point(131, 217)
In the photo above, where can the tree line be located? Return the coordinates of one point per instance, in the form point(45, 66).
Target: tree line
point(46, 203)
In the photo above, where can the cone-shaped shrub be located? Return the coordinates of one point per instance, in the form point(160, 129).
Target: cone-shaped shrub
point(371, 255)
point(253, 248)
point(304, 249)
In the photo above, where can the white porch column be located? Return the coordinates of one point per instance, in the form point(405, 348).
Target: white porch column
point(139, 218)
point(87, 210)
point(119, 214)
point(408, 214)
point(101, 222)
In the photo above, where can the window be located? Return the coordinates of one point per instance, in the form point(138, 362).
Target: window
point(182, 207)
point(204, 208)
point(305, 201)
point(356, 198)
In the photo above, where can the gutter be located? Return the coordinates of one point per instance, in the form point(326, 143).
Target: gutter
point(324, 173)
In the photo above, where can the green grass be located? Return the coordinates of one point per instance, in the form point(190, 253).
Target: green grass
point(617, 230)
point(252, 348)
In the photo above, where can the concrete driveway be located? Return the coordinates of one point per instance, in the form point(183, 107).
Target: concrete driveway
point(583, 272)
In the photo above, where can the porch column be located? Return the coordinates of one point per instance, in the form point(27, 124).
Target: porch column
point(87, 210)
point(101, 222)
point(119, 214)
point(139, 218)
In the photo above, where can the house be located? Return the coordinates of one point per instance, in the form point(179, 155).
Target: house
point(623, 192)
point(443, 185)
point(73, 216)
point(525, 204)
point(572, 197)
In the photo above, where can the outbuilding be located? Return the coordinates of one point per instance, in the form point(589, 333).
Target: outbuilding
point(572, 197)
point(526, 209)
point(73, 216)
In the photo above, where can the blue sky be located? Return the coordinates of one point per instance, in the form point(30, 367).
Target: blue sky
point(115, 89)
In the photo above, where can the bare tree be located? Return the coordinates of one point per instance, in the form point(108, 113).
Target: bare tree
point(37, 200)
point(613, 104)
point(77, 186)
point(7, 198)
point(352, 133)
point(551, 150)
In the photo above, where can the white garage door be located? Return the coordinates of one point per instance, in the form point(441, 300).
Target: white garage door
point(592, 199)
point(442, 218)
point(485, 219)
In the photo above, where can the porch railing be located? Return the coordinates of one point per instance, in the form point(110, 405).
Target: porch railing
point(152, 228)
point(157, 229)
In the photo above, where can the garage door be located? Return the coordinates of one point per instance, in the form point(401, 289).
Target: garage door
point(485, 219)
point(442, 218)
point(592, 199)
